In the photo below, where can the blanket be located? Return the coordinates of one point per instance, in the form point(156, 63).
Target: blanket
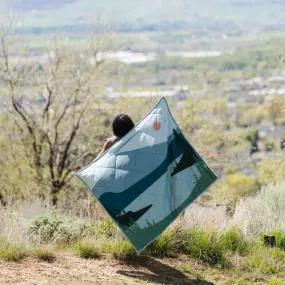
point(148, 177)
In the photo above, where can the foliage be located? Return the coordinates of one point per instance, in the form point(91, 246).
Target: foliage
point(62, 90)
point(88, 249)
point(165, 245)
point(55, 228)
point(235, 241)
point(282, 141)
point(262, 212)
point(279, 238)
point(11, 251)
point(263, 260)
point(121, 250)
point(276, 106)
point(275, 281)
point(45, 254)
point(253, 138)
point(205, 246)
point(237, 186)
point(269, 145)
point(271, 170)
point(106, 228)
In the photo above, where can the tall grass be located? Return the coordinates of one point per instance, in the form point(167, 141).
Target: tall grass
point(121, 250)
point(233, 240)
point(262, 212)
point(88, 249)
point(45, 254)
point(11, 251)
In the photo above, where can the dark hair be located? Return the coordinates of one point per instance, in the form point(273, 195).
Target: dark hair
point(122, 124)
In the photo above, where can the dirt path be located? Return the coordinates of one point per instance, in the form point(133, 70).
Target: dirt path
point(72, 270)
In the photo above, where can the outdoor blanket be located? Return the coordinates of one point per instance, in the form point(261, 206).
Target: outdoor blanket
point(146, 179)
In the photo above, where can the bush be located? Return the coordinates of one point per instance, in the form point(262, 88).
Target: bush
point(271, 171)
point(165, 245)
point(106, 228)
point(54, 228)
point(88, 249)
point(11, 251)
point(121, 250)
point(45, 254)
point(234, 241)
point(279, 238)
point(261, 213)
point(275, 281)
point(205, 246)
point(264, 260)
point(269, 145)
point(237, 186)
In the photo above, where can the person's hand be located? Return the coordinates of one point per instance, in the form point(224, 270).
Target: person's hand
point(106, 146)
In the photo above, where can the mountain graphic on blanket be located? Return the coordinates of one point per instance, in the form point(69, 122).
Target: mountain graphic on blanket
point(146, 179)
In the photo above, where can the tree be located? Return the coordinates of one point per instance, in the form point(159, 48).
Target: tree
point(253, 138)
point(53, 101)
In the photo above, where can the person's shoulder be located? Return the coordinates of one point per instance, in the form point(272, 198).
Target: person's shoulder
point(110, 141)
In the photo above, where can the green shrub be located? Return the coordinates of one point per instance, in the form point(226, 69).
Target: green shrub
point(106, 228)
point(237, 186)
point(262, 212)
point(54, 228)
point(121, 250)
point(234, 241)
point(164, 245)
point(45, 254)
point(264, 260)
point(269, 145)
point(205, 246)
point(279, 238)
point(88, 249)
point(275, 281)
point(271, 171)
point(11, 252)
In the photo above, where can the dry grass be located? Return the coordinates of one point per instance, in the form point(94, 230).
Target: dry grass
point(88, 249)
point(45, 254)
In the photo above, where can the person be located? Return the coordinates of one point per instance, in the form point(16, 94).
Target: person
point(121, 125)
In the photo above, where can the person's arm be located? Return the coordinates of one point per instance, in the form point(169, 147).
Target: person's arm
point(104, 148)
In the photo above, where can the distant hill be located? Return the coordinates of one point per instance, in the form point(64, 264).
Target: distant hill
point(26, 5)
point(152, 14)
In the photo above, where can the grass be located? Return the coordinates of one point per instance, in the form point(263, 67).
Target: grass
point(275, 281)
point(165, 245)
point(279, 238)
point(235, 241)
point(45, 254)
point(205, 246)
point(266, 261)
point(120, 250)
point(88, 249)
point(11, 251)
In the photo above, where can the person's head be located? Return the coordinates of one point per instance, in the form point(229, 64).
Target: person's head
point(122, 124)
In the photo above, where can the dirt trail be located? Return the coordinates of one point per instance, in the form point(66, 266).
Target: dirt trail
point(68, 269)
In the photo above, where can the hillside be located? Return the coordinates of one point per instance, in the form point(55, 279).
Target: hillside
point(148, 14)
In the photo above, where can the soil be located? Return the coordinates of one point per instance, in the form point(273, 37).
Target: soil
point(69, 269)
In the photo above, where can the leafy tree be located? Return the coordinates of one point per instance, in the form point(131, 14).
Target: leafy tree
point(253, 138)
point(53, 101)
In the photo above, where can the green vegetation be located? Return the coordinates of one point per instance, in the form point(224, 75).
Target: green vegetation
point(88, 249)
point(56, 228)
point(11, 251)
point(45, 254)
point(106, 228)
point(280, 238)
point(121, 250)
point(232, 111)
point(234, 241)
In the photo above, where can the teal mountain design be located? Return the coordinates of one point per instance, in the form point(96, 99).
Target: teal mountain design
point(115, 203)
